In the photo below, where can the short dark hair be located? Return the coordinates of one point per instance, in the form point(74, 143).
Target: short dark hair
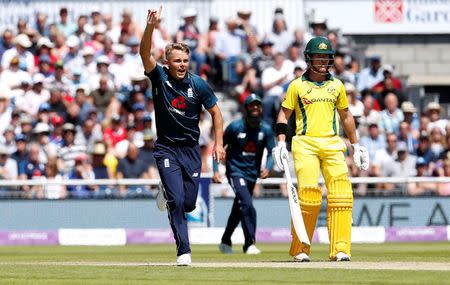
point(176, 46)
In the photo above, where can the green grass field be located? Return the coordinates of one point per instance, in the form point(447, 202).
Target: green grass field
point(152, 264)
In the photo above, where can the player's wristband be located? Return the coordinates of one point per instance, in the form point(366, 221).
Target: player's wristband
point(281, 128)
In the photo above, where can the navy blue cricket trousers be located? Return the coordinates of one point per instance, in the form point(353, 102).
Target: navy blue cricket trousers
point(179, 168)
point(243, 211)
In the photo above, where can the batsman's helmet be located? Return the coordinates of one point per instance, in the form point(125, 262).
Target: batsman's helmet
point(319, 45)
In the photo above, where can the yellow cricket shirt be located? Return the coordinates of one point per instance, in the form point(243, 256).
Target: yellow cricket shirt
point(315, 106)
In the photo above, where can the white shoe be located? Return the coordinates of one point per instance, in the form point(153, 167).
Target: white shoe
point(302, 257)
point(340, 256)
point(252, 250)
point(161, 200)
point(225, 248)
point(184, 259)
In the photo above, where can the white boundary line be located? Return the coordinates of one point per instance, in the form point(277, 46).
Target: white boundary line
point(359, 265)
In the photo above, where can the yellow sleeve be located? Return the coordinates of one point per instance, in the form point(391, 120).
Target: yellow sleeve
point(291, 98)
point(341, 100)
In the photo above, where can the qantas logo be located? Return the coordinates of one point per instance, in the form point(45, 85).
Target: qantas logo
point(307, 101)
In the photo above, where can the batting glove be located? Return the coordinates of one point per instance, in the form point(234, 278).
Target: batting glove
point(360, 156)
point(279, 153)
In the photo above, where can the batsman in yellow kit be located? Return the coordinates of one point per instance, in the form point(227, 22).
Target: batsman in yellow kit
point(319, 100)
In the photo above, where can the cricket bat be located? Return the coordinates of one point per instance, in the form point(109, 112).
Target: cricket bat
point(294, 206)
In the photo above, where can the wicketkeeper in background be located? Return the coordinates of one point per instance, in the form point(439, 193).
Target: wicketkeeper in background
point(317, 98)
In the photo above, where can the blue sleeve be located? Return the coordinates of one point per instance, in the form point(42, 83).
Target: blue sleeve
point(22, 167)
point(207, 96)
point(270, 144)
point(155, 74)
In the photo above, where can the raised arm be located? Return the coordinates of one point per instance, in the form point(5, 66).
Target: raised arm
point(145, 49)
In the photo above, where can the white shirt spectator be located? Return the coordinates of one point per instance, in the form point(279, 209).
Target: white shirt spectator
point(271, 74)
point(26, 59)
point(31, 101)
point(13, 79)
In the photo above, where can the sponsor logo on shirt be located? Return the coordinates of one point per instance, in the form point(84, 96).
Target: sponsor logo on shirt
point(249, 149)
point(178, 105)
point(190, 93)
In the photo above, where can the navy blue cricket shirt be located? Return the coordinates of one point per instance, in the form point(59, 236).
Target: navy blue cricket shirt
point(178, 105)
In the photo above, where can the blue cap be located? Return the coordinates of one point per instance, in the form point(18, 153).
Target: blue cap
point(44, 107)
point(133, 41)
point(420, 161)
point(252, 98)
point(138, 107)
point(147, 118)
point(20, 137)
point(45, 58)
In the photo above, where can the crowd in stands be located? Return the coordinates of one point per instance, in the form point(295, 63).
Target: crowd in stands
point(75, 103)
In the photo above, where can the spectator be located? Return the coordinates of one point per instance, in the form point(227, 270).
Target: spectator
point(132, 57)
point(406, 136)
point(410, 114)
point(89, 133)
point(318, 26)
point(243, 19)
point(386, 155)
point(422, 188)
point(32, 168)
point(8, 166)
point(6, 43)
point(102, 95)
point(433, 111)
point(21, 153)
point(227, 50)
point(82, 170)
point(73, 59)
point(99, 168)
point(13, 76)
point(146, 155)
point(26, 59)
point(8, 139)
point(272, 81)
point(374, 141)
point(369, 115)
point(69, 150)
point(405, 164)
point(444, 188)
point(371, 75)
point(119, 70)
point(437, 140)
point(33, 98)
point(59, 80)
point(114, 133)
point(81, 32)
point(64, 26)
point(280, 35)
point(424, 151)
point(57, 190)
point(47, 149)
point(5, 108)
point(340, 72)
point(355, 105)
point(265, 59)
point(130, 167)
point(41, 25)
point(392, 115)
point(389, 82)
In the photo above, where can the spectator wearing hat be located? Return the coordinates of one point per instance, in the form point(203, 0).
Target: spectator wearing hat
point(227, 49)
point(437, 140)
point(103, 63)
point(265, 59)
point(59, 80)
point(391, 117)
point(146, 154)
point(132, 57)
point(26, 59)
point(422, 188)
point(95, 19)
point(280, 35)
point(73, 58)
point(119, 69)
point(433, 111)
point(56, 123)
point(32, 99)
point(318, 26)
point(47, 149)
point(8, 166)
point(355, 105)
point(103, 95)
point(44, 51)
point(8, 139)
point(370, 75)
point(99, 168)
point(13, 76)
point(69, 150)
point(21, 153)
point(64, 25)
point(32, 168)
point(189, 34)
point(45, 66)
point(244, 24)
point(89, 66)
point(26, 126)
point(97, 39)
point(410, 114)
